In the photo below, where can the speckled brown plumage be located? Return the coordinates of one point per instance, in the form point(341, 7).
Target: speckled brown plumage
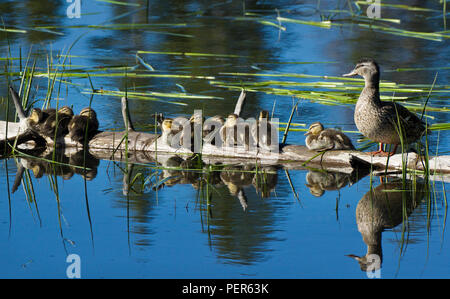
point(82, 126)
point(320, 139)
point(376, 119)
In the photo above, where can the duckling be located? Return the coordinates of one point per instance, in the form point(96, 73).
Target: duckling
point(56, 124)
point(228, 132)
point(167, 134)
point(377, 120)
point(195, 121)
point(37, 118)
point(262, 131)
point(211, 127)
point(83, 125)
point(320, 139)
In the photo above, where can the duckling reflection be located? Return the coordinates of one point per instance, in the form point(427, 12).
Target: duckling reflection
point(41, 166)
point(320, 181)
point(191, 170)
point(61, 168)
point(235, 178)
point(210, 175)
point(383, 208)
point(265, 180)
point(87, 164)
point(171, 174)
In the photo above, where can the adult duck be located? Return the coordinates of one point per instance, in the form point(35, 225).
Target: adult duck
point(382, 121)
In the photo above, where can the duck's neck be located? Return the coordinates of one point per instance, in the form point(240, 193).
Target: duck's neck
point(372, 87)
point(372, 80)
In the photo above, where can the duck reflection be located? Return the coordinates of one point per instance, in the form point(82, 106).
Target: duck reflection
point(382, 208)
point(57, 163)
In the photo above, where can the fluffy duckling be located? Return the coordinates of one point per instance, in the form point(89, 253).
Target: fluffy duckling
point(83, 125)
point(382, 121)
point(37, 118)
point(210, 129)
point(228, 132)
point(196, 121)
point(167, 133)
point(320, 139)
point(262, 131)
point(56, 124)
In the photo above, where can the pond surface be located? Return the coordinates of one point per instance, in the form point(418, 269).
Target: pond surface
point(246, 222)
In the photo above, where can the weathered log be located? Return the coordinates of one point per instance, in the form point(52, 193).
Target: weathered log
point(117, 142)
point(114, 145)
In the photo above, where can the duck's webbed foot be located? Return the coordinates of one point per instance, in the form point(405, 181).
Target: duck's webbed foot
point(381, 153)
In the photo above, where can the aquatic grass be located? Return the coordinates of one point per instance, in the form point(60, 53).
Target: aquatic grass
point(144, 63)
point(178, 95)
point(398, 6)
point(119, 3)
point(134, 96)
point(193, 54)
point(262, 21)
point(130, 75)
point(12, 30)
point(283, 141)
point(322, 24)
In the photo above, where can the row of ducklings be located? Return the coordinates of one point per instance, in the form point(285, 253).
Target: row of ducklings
point(54, 123)
point(221, 125)
point(318, 138)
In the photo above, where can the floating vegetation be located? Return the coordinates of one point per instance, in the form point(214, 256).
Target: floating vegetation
point(13, 30)
point(119, 3)
point(151, 95)
point(190, 54)
point(322, 24)
point(339, 91)
point(398, 6)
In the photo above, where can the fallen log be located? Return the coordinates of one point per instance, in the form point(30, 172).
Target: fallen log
point(114, 145)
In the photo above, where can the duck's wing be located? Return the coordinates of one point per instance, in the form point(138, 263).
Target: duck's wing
point(410, 122)
point(336, 139)
point(320, 143)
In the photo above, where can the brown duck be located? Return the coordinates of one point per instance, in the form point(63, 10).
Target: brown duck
point(382, 121)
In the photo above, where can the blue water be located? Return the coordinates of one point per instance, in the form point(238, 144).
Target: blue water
point(173, 232)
